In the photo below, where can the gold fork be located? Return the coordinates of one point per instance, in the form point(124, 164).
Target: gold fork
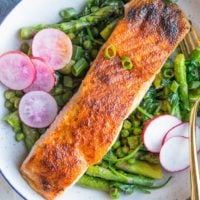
point(190, 42)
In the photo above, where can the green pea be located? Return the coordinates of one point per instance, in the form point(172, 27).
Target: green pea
point(124, 141)
point(16, 103)
point(58, 89)
point(119, 153)
point(124, 133)
point(127, 124)
point(94, 8)
point(125, 149)
point(19, 136)
point(13, 99)
point(8, 105)
point(9, 94)
point(137, 130)
point(136, 123)
point(116, 145)
point(87, 44)
point(59, 100)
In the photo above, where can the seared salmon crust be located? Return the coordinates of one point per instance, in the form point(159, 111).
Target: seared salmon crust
point(90, 123)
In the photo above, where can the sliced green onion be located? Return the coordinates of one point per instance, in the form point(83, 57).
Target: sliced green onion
point(126, 62)
point(168, 73)
point(78, 52)
point(68, 82)
point(174, 86)
point(79, 67)
point(110, 52)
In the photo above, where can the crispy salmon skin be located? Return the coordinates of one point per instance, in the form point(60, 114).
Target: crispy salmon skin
point(89, 124)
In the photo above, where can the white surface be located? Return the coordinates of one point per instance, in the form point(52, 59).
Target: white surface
point(12, 154)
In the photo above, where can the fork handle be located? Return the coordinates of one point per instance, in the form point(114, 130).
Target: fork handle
point(194, 170)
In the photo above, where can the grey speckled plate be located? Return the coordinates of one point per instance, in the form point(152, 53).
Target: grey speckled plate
point(27, 13)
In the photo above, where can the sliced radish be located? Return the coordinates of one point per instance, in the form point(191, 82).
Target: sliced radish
point(182, 130)
point(16, 70)
point(45, 77)
point(54, 46)
point(37, 109)
point(179, 130)
point(174, 154)
point(156, 129)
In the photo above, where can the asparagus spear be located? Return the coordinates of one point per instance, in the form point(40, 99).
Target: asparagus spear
point(107, 174)
point(180, 75)
point(94, 182)
point(142, 168)
point(74, 25)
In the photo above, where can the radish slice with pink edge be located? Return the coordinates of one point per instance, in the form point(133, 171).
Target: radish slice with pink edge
point(155, 130)
point(45, 76)
point(54, 46)
point(37, 109)
point(178, 130)
point(182, 130)
point(174, 154)
point(16, 70)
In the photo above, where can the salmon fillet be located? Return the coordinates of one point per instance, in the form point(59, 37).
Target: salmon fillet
point(89, 124)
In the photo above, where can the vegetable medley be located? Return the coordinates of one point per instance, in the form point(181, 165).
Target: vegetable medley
point(128, 166)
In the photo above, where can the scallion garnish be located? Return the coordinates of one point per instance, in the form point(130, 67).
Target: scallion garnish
point(110, 52)
point(126, 62)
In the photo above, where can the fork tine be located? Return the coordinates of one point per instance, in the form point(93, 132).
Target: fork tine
point(191, 41)
point(182, 47)
point(196, 36)
point(186, 44)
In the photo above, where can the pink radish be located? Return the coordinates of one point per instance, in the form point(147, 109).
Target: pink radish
point(174, 154)
point(179, 130)
point(16, 70)
point(54, 46)
point(45, 77)
point(156, 129)
point(37, 109)
point(182, 130)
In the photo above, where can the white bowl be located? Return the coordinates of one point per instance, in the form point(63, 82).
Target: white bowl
point(12, 153)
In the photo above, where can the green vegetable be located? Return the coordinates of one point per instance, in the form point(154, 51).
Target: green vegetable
point(116, 144)
point(19, 136)
point(74, 25)
point(110, 52)
point(126, 188)
point(142, 168)
point(8, 94)
point(119, 153)
point(68, 81)
point(180, 75)
point(144, 112)
point(168, 73)
point(31, 136)
point(87, 44)
point(114, 193)
point(25, 48)
point(124, 133)
point(80, 67)
point(92, 38)
point(78, 52)
point(68, 68)
point(150, 158)
point(174, 86)
point(68, 14)
point(126, 62)
point(107, 174)
point(131, 154)
point(127, 124)
point(125, 149)
point(110, 157)
point(9, 105)
point(195, 55)
point(106, 32)
point(133, 141)
point(94, 182)
point(194, 95)
point(14, 121)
